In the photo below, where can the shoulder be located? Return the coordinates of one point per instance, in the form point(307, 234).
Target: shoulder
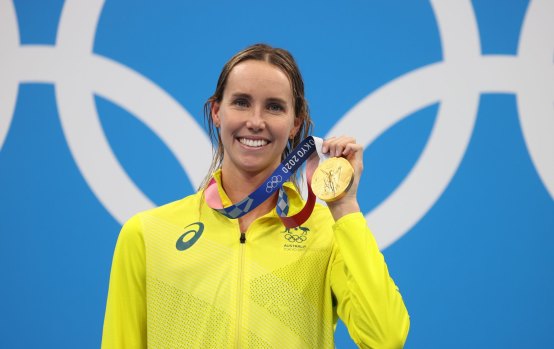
point(321, 221)
point(177, 207)
point(322, 214)
point(170, 213)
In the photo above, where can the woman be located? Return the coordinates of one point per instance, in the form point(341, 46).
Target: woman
point(186, 276)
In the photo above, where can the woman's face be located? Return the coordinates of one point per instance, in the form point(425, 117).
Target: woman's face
point(255, 117)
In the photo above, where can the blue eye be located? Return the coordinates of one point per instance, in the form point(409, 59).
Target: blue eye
point(275, 107)
point(240, 102)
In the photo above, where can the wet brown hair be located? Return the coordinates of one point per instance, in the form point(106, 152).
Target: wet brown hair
point(281, 59)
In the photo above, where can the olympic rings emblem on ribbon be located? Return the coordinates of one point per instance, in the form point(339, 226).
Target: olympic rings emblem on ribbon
point(272, 183)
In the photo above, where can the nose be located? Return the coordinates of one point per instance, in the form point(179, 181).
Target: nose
point(256, 121)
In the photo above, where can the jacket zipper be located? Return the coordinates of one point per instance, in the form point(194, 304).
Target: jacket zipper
point(239, 287)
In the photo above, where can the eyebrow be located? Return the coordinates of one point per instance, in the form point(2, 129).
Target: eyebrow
point(277, 100)
point(249, 97)
point(241, 95)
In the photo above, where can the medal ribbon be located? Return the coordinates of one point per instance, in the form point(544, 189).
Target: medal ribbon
point(275, 182)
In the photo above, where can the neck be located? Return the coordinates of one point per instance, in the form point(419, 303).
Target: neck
point(237, 185)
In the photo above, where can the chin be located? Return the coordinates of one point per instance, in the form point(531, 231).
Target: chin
point(256, 166)
point(253, 167)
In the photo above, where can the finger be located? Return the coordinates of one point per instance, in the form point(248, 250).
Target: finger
point(341, 143)
point(352, 149)
point(325, 145)
point(339, 148)
point(334, 145)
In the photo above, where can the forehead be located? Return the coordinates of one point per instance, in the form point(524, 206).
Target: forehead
point(258, 78)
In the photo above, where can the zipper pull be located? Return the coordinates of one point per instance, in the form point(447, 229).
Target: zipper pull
point(242, 237)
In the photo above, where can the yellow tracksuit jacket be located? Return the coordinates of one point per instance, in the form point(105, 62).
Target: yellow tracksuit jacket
point(182, 277)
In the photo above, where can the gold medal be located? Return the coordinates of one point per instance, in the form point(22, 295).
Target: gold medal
point(332, 179)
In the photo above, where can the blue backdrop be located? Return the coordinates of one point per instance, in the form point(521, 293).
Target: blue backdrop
point(101, 116)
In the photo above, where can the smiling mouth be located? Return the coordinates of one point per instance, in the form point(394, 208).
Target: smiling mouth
point(253, 143)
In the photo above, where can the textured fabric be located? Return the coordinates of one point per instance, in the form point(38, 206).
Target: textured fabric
point(181, 278)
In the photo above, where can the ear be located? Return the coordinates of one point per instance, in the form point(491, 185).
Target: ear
point(215, 114)
point(296, 127)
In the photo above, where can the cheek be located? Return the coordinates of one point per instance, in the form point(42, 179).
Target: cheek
point(227, 124)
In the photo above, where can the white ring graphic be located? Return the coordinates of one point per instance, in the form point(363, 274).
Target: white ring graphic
point(535, 96)
point(456, 83)
point(9, 41)
point(76, 73)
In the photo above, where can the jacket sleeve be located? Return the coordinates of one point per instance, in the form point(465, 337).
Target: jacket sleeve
point(125, 318)
point(368, 301)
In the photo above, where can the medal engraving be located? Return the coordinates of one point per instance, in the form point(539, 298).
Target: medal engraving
point(332, 178)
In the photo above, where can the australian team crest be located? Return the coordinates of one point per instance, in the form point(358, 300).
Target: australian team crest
point(295, 238)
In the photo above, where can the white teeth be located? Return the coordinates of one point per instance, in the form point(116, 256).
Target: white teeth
point(253, 142)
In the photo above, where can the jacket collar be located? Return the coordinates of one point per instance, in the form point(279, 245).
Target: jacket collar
point(295, 199)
